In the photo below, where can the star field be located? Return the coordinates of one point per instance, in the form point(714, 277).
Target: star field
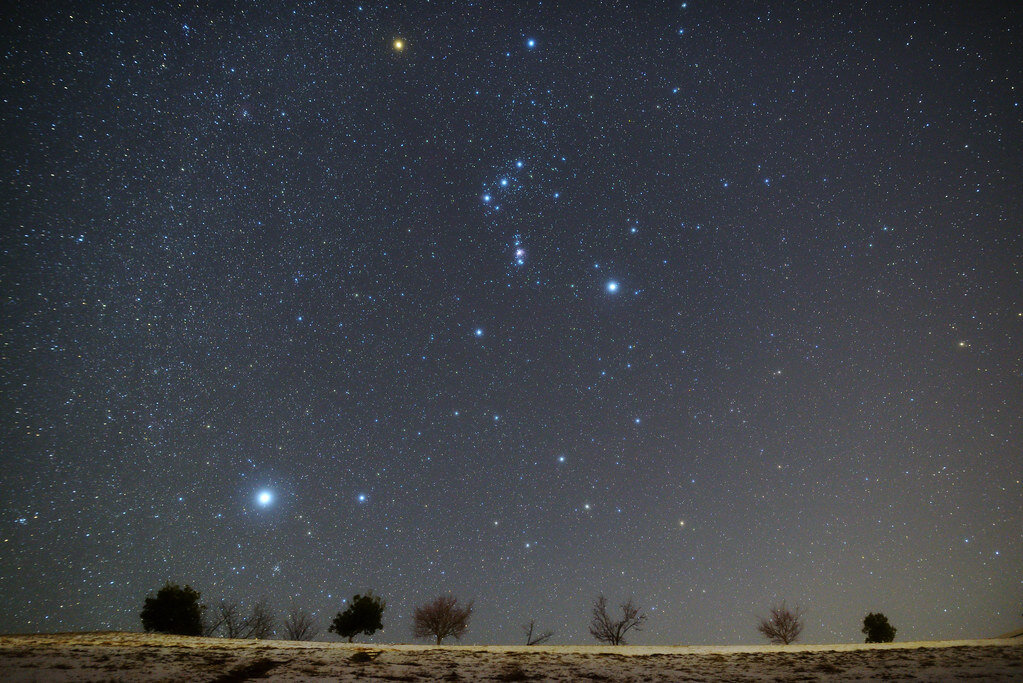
point(706, 305)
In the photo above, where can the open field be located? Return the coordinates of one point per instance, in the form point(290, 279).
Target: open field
point(143, 657)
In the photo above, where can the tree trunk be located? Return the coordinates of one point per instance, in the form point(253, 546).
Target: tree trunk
point(438, 640)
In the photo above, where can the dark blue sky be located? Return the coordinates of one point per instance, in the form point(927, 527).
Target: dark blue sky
point(711, 305)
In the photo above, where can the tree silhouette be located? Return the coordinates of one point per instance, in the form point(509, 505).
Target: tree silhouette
point(364, 615)
point(534, 637)
point(877, 629)
point(607, 629)
point(260, 622)
point(174, 610)
point(299, 625)
point(441, 618)
point(783, 626)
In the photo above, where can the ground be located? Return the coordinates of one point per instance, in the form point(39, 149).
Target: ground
point(144, 657)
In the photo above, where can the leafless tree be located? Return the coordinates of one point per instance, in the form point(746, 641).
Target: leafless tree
point(229, 622)
point(299, 625)
point(783, 626)
point(211, 622)
point(441, 618)
point(260, 622)
point(612, 631)
point(533, 637)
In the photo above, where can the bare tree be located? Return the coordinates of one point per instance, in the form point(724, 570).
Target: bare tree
point(783, 626)
point(612, 631)
point(211, 623)
point(533, 637)
point(229, 622)
point(299, 625)
point(260, 622)
point(441, 618)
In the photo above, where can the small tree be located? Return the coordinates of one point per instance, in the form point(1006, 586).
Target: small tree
point(783, 626)
point(534, 637)
point(174, 610)
point(364, 615)
point(441, 618)
point(607, 629)
point(229, 622)
point(260, 622)
point(877, 629)
point(299, 625)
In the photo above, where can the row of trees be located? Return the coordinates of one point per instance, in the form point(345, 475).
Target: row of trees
point(784, 625)
point(179, 611)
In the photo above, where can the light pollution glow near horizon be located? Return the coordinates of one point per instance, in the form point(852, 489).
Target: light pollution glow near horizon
point(709, 306)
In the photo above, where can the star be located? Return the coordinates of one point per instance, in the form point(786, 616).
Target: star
point(264, 497)
point(398, 44)
point(611, 286)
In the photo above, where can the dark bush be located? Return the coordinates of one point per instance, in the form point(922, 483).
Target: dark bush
point(364, 615)
point(877, 629)
point(174, 610)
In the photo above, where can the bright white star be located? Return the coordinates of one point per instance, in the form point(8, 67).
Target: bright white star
point(611, 286)
point(264, 498)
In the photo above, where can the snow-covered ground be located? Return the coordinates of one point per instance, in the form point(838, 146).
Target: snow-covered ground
point(142, 657)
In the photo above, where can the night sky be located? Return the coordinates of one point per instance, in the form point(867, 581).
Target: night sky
point(707, 304)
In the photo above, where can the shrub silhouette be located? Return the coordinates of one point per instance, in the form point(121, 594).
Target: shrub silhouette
point(877, 629)
point(441, 618)
point(607, 629)
point(174, 610)
point(783, 626)
point(299, 625)
point(364, 615)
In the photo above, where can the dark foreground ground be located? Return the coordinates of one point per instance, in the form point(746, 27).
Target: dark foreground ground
point(141, 657)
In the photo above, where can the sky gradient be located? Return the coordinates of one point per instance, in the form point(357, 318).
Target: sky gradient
point(712, 305)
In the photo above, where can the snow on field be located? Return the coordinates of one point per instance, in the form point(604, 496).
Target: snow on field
point(143, 657)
